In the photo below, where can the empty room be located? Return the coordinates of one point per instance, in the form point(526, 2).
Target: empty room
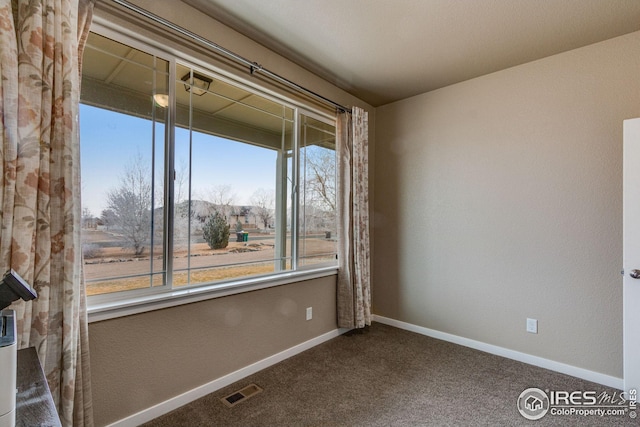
point(320, 212)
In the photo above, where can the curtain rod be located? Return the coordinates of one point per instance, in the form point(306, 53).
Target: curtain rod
point(253, 66)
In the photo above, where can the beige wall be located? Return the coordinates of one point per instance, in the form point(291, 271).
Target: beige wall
point(142, 360)
point(500, 198)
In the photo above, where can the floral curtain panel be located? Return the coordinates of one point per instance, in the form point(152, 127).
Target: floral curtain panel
point(354, 273)
point(41, 44)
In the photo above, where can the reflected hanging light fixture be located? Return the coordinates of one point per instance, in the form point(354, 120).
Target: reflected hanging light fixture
point(196, 84)
point(161, 100)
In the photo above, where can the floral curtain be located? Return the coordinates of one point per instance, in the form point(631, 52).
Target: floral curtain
point(354, 273)
point(41, 43)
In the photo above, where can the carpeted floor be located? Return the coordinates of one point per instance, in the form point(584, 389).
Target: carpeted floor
point(389, 377)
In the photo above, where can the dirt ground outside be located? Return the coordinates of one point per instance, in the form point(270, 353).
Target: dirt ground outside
point(200, 264)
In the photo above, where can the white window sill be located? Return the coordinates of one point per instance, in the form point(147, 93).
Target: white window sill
point(163, 299)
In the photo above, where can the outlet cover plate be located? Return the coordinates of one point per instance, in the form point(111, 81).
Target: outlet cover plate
point(532, 326)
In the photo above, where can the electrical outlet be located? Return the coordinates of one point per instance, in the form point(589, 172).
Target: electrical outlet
point(532, 326)
point(309, 313)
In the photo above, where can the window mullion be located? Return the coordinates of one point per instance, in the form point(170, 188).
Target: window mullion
point(280, 252)
point(295, 191)
point(170, 173)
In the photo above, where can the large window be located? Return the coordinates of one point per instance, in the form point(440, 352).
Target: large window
point(190, 178)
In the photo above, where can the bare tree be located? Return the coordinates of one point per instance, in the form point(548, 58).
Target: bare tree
point(320, 177)
point(180, 184)
point(130, 203)
point(108, 218)
point(181, 206)
point(88, 221)
point(181, 177)
point(223, 197)
point(263, 201)
point(319, 188)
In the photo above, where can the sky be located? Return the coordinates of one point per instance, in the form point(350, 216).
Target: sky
point(109, 141)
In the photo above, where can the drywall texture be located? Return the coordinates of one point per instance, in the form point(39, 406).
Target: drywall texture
point(142, 360)
point(500, 198)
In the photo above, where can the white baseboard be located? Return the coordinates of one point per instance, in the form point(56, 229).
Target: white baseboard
point(201, 391)
point(563, 368)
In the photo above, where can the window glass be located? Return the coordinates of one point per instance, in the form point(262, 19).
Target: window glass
point(318, 192)
point(123, 137)
point(230, 149)
point(214, 183)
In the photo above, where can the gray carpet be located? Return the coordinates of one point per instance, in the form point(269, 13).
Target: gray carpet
point(388, 377)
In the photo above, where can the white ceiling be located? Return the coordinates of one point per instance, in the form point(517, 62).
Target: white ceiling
point(385, 50)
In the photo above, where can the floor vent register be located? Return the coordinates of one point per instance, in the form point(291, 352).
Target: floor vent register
point(241, 395)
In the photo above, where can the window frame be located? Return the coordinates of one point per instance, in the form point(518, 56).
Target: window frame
point(123, 303)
